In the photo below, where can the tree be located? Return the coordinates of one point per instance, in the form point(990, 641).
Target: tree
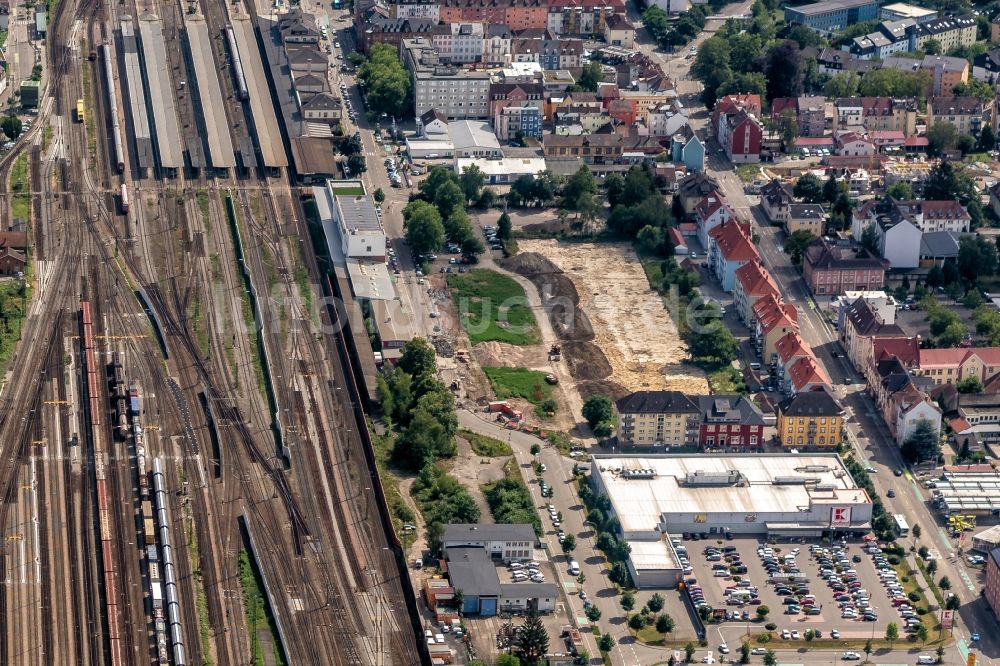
point(355, 165)
point(976, 257)
point(504, 659)
point(532, 641)
point(606, 643)
point(419, 442)
point(385, 82)
point(578, 193)
point(940, 654)
point(932, 47)
point(471, 182)
point(627, 601)
point(868, 647)
point(831, 189)
point(941, 136)
point(944, 583)
point(535, 449)
point(752, 83)
point(783, 70)
point(592, 74)
point(808, 188)
point(614, 188)
point(966, 144)
point(11, 126)
point(650, 238)
point(597, 409)
point(789, 128)
point(449, 198)
point(665, 624)
point(711, 67)
point(378, 196)
point(916, 531)
point(689, 652)
point(894, 82)
point(504, 227)
point(842, 84)
point(769, 658)
point(901, 191)
point(970, 385)
point(923, 443)
point(952, 602)
point(946, 181)
point(869, 239)
point(636, 622)
point(762, 611)
point(932, 567)
point(796, 244)
point(656, 21)
point(619, 572)
point(892, 633)
point(593, 613)
point(569, 543)
point(424, 230)
point(922, 633)
point(655, 603)
point(987, 139)
point(417, 358)
point(709, 342)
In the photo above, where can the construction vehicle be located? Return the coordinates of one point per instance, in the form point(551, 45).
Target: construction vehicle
point(555, 352)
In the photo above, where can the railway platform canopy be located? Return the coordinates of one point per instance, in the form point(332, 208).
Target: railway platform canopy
point(154, 51)
point(220, 142)
point(261, 107)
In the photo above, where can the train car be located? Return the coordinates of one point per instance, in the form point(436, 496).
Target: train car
point(134, 400)
point(116, 130)
point(238, 73)
point(150, 530)
point(123, 199)
point(80, 114)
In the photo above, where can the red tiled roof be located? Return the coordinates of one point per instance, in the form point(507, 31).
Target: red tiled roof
point(907, 350)
point(755, 279)
point(707, 206)
point(791, 345)
point(956, 356)
point(959, 425)
point(675, 236)
point(915, 141)
point(733, 239)
point(810, 141)
point(807, 371)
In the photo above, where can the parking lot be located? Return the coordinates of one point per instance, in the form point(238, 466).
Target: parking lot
point(789, 581)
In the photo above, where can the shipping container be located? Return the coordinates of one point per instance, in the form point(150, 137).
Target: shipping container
point(150, 529)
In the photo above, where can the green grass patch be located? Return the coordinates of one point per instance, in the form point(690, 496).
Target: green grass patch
point(747, 172)
point(727, 380)
point(258, 616)
point(400, 512)
point(485, 446)
point(46, 135)
point(20, 184)
point(931, 585)
point(493, 307)
point(510, 500)
point(3, 38)
point(978, 157)
point(14, 298)
point(519, 383)
point(203, 206)
point(200, 330)
point(88, 111)
point(201, 601)
point(348, 190)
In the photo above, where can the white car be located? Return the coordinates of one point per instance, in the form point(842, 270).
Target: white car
point(785, 634)
point(758, 651)
point(850, 656)
point(795, 634)
point(724, 649)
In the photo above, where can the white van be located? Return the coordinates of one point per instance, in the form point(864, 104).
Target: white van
point(574, 567)
point(926, 659)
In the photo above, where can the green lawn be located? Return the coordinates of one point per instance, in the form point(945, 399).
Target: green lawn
point(347, 191)
point(519, 383)
point(727, 380)
point(493, 307)
point(20, 202)
point(747, 172)
point(485, 446)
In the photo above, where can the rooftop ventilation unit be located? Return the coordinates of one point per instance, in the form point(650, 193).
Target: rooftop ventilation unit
point(701, 478)
point(794, 480)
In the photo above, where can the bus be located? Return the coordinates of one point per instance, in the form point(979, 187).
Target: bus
point(79, 111)
point(902, 529)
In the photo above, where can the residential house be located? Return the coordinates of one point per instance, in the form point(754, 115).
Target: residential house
point(876, 114)
point(753, 282)
point(433, 124)
point(789, 350)
point(806, 374)
point(809, 113)
point(937, 247)
point(518, 121)
point(946, 71)
point(884, 305)
point(730, 422)
point(514, 94)
point(772, 320)
point(902, 399)
point(729, 248)
point(426, 9)
point(657, 418)
point(978, 421)
point(995, 198)
point(695, 187)
point(687, 148)
point(775, 199)
point(852, 144)
point(731, 104)
point(619, 31)
point(518, 14)
point(741, 136)
point(587, 18)
point(459, 43)
point(298, 27)
point(926, 216)
point(905, 350)
point(496, 44)
point(966, 114)
point(952, 366)
point(710, 212)
point(810, 217)
point(393, 31)
point(951, 32)
point(592, 148)
point(810, 419)
point(323, 108)
point(862, 324)
point(831, 269)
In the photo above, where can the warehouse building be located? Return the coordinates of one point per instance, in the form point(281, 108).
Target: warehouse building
point(988, 540)
point(772, 494)
point(472, 571)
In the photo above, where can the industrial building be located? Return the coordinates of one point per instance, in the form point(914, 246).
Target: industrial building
point(971, 491)
point(988, 540)
point(508, 543)
point(771, 494)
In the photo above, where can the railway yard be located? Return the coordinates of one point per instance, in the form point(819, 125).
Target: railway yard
point(177, 409)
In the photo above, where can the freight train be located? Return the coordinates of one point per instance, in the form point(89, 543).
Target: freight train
point(116, 131)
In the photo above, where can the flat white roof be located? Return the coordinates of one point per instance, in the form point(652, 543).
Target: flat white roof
point(503, 166)
point(767, 485)
point(652, 556)
point(370, 280)
point(472, 134)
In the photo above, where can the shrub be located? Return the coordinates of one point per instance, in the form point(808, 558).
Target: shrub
point(893, 560)
point(921, 610)
point(770, 626)
point(913, 596)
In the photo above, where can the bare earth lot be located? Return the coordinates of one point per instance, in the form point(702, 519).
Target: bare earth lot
point(630, 323)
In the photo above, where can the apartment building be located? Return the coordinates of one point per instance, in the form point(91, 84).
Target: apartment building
point(832, 15)
point(951, 366)
point(657, 418)
point(459, 43)
point(830, 269)
point(810, 419)
point(515, 14)
point(966, 114)
point(586, 18)
point(876, 114)
point(457, 93)
point(515, 121)
point(992, 588)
